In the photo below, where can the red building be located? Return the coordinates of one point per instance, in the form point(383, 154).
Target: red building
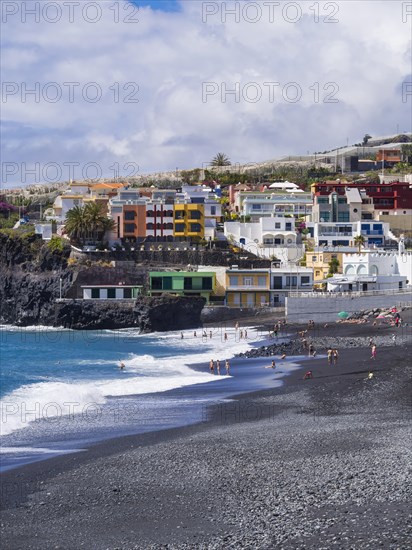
point(395, 197)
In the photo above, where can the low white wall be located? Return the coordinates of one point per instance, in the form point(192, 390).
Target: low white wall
point(326, 309)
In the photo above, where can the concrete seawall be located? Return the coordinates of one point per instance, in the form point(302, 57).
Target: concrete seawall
point(319, 308)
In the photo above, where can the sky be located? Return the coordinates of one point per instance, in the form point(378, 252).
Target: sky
point(126, 88)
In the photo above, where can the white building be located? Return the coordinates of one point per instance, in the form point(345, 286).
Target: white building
point(258, 204)
point(267, 237)
point(374, 232)
point(372, 270)
point(289, 278)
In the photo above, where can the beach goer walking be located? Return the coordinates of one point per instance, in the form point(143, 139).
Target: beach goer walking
point(275, 331)
point(225, 336)
point(330, 352)
point(245, 334)
point(227, 367)
point(212, 366)
point(218, 366)
point(373, 352)
point(335, 356)
point(181, 335)
point(241, 334)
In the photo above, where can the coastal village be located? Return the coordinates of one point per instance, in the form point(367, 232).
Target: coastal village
point(334, 236)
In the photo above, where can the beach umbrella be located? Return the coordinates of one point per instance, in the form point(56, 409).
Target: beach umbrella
point(343, 315)
point(381, 316)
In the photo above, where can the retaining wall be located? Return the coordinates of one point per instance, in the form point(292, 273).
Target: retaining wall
point(326, 309)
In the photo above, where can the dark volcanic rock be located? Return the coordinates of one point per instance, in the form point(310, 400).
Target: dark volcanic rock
point(32, 276)
point(148, 314)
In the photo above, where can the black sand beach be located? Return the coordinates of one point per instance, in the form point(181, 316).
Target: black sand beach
point(316, 464)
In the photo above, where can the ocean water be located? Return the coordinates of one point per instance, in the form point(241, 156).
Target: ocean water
point(62, 390)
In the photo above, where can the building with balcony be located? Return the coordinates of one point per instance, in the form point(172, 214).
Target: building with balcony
point(182, 283)
point(111, 292)
point(343, 234)
point(247, 287)
point(289, 278)
point(257, 205)
point(267, 237)
point(189, 221)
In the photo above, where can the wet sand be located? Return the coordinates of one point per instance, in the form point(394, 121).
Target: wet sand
point(316, 464)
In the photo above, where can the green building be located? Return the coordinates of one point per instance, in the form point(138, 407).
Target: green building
point(182, 283)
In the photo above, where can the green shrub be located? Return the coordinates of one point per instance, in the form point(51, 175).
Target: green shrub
point(56, 244)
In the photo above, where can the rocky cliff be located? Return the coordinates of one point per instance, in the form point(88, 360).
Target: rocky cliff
point(32, 278)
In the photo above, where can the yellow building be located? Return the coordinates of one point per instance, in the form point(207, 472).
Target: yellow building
point(320, 258)
point(247, 287)
point(189, 220)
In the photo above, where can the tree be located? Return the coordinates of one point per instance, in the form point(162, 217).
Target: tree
point(366, 138)
point(333, 266)
point(359, 241)
point(87, 222)
point(220, 160)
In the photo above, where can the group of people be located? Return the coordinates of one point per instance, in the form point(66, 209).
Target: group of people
point(215, 366)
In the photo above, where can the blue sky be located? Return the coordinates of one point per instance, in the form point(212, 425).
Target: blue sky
point(178, 84)
point(163, 5)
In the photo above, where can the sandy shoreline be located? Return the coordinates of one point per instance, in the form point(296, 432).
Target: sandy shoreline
point(321, 463)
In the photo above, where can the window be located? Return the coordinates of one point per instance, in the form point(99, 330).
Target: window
point(276, 298)
point(129, 215)
point(207, 283)
point(96, 293)
point(195, 215)
point(167, 283)
point(314, 258)
point(277, 225)
point(291, 281)
point(195, 228)
point(179, 227)
point(111, 293)
point(305, 280)
point(277, 282)
point(233, 280)
point(156, 283)
point(261, 281)
point(247, 281)
point(213, 210)
point(288, 226)
point(400, 284)
point(317, 273)
point(324, 215)
point(150, 214)
point(179, 215)
point(127, 293)
point(129, 227)
point(188, 283)
point(256, 206)
point(150, 225)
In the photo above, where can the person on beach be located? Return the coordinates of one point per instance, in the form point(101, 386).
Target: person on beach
point(212, 366)
point(330, 352)
point(370, 376)
point(271, 366)
point(275, 332)
point(181, 335)
point(335, 356)
point(308, 375)
point(394, 338)
point(241, 334)
point(210, 334)
point(122, 365)
point(236, 325)
point(218, 366)
point(204, 334)
point(283, 356)
point(195, 334)
point(225, 336)
point(245, 334)
point(227, 367)
point(311, 350)
point(373, 352)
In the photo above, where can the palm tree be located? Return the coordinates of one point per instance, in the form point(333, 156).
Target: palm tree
point(75, 224)
point(220, 160)
point(359, 241)
point(87, 221)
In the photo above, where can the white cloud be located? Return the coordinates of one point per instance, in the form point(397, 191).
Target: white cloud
point(169, 55)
